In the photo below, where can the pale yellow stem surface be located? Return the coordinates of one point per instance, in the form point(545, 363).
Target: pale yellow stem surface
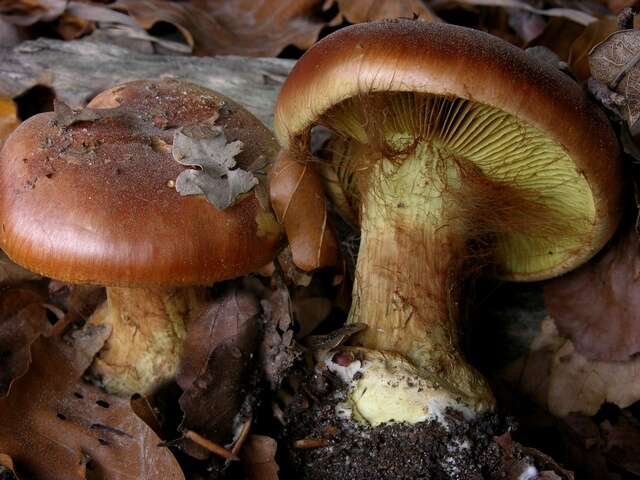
point(148, 326)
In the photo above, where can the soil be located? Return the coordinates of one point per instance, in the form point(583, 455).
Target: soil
point(463, 450)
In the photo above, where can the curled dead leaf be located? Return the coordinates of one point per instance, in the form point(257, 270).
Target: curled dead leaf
point(56, 427)
point(298, 199)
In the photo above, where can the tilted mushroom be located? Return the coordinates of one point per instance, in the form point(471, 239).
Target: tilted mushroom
point(456, 151)
point(91, 198)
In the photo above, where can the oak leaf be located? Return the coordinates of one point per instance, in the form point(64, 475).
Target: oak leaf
point(54, 426)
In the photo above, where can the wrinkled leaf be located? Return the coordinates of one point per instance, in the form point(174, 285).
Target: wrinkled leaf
point(56, 427)
point(218, 178)
point(22, 321)
point(615, 64)
point(574, 15)
point(357, 11)
point(216, 366)
point(598, 305)
point(28, 12)
point(259, 458)
point(244, 27)
point(564, 382)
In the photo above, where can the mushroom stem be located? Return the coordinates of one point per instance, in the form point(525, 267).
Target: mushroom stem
point(148, 326)
point(407, 283)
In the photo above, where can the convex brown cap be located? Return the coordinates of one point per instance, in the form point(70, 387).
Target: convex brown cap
point(94, 201)
point(453, 62)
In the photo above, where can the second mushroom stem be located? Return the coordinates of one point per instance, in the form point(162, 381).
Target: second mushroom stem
point(148, 326)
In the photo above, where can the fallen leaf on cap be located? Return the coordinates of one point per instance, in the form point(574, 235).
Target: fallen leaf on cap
point(357, 11)
point(614, 65)
point(218, 177)
point(563, 381)
point(597, 306)
point(8, 118)
point(215, 370)
point(22, 321)
point(6, 468)
point(244, 27)
point(54, 426)
point(259, 458)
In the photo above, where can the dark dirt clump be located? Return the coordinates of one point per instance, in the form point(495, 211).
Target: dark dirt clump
point(345, 450)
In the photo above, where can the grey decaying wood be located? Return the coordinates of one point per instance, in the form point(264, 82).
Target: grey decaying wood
point(78, 70)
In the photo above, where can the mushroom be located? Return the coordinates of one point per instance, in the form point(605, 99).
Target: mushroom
point(455, 152)
point(90, 198)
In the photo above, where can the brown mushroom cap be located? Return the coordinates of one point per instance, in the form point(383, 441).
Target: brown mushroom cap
point(455, 62)
point(94, 202)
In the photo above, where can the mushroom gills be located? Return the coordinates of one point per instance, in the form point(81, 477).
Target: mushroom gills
point(520, 187)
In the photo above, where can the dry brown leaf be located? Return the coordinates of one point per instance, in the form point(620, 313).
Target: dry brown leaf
point(356, 11)
point(617, 5)
point(581, 46)
point(12, 273)
point(565, 382)
point(28, 12)
point(8, 118)
point(577, 16)
point(298, 199)
point(614, 63)
point(216, 366)
point(259, 458)
point(597, 306)
point(56, 427)
point(244, 27)
point(22, 321)
point(6, 468)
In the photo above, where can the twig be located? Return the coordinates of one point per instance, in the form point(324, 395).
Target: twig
point(309, 443)
point(209, 445)
point(244, 433)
